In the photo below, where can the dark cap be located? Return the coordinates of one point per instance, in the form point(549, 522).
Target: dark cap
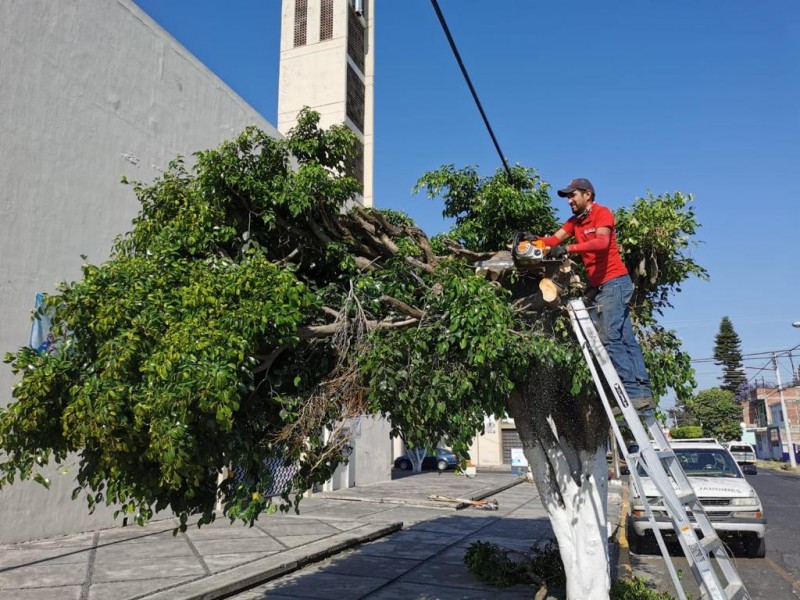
point(577, 184)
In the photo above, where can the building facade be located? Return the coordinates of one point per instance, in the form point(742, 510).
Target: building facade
point(763, 421)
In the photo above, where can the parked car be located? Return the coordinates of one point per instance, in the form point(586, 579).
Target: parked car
point(441, 459)
point(744, 455)
point(729, 501)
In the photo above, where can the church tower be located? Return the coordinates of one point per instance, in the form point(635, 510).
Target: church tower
point(327, 64)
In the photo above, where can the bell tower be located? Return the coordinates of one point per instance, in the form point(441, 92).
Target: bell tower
point(327, 64)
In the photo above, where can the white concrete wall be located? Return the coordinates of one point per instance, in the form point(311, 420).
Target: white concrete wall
point(91, 90)
point(487, 448)
point(373, 450)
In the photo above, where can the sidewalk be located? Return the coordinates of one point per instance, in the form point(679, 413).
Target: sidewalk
point(294, 554)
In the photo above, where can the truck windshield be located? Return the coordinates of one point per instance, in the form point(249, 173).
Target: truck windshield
point(707, 462)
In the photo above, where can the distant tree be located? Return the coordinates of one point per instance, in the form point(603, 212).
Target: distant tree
point(728, 354)
point(680, 414)
point(686, 432)
point(718, 413)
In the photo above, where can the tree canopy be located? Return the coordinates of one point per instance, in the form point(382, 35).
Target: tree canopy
point(716, 411)
point(728, 354)
point(252, 308)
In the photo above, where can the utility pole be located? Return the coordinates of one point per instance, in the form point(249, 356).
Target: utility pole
point(786, 426)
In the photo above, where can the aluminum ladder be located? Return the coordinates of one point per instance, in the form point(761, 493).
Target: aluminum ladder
point(658, 460)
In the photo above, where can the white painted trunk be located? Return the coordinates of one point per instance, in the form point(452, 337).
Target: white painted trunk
point(578, 513)
point(416, 455)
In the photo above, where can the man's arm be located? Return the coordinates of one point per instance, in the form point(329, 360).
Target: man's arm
point(598, 244)
point(555, 239)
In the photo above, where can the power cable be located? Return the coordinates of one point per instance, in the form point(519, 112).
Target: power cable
point(453, 47)
point(752, 355)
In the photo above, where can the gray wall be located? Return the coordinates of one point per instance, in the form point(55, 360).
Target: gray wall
point(91, 90)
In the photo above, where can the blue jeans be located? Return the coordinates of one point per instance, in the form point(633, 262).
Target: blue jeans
point(612, 319)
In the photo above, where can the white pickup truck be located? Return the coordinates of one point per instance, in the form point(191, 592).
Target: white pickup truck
point(729, 501)
point(744, 455)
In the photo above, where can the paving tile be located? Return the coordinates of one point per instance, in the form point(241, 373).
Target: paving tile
point(14, 557)
point(415, 591)
point(446, 574)
point(136, 551)
point(293, 541)
point(222, 562)
point(346, 525)
point(407, 515)
point(122, 590)
point(237, 546)
point(66, 541)
point(414, 536)
point(298, 527)
point(62, 592)
point(165, 566)
point(42, 575)
point(352, 563)
point(323, 586)
point(351, 510)
point(220, 533)
point(391, 549)
point(135, 534)
point(454, 555)
point(257, 594)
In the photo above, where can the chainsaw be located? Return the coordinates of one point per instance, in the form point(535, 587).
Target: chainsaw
point(525, 254)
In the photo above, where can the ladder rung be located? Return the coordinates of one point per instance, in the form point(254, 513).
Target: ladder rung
point(735, 590)
point(711, 543)
point(686, 496)
point(662, 454)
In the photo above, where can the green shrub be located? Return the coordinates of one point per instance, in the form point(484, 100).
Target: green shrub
point(635, 589)
point(686, 432)
point(496, 566)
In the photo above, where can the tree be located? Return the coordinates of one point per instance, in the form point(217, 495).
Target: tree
point(728, 354)
point(247, 315)
point(718, 414)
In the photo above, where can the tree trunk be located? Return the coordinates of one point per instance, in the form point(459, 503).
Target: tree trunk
point(564, 442)
point(416, 455)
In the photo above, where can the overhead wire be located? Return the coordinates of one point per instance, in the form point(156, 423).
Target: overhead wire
point(752, 355)
point(464, 72)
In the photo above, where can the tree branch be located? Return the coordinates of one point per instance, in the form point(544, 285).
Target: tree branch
point(403, 307)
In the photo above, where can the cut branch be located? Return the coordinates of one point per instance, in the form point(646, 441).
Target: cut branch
point(403, 307)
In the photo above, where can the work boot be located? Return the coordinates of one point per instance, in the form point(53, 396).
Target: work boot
point(640, 404)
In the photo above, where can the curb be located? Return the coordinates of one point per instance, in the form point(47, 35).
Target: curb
point(480, 495)
point(262, 570)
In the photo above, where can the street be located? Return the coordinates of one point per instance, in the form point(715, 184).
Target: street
point(775, 577)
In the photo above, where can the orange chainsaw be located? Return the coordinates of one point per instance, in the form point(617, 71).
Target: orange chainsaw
point(525, 254)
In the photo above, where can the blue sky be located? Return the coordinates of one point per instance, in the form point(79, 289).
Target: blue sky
point(697, 97)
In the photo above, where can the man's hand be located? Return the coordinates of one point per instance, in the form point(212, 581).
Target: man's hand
point(557, 252)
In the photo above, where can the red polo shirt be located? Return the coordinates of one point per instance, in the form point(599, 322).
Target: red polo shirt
point(606, 264)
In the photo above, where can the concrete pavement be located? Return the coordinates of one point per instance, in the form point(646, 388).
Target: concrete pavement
point(324, 552)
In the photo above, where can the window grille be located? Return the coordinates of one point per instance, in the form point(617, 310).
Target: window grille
point(356, 39)
point(355, 99)
point(326, 20)
point(356, 165)
point(300, 22)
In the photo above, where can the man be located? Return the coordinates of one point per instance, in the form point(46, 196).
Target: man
point(592, 226)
